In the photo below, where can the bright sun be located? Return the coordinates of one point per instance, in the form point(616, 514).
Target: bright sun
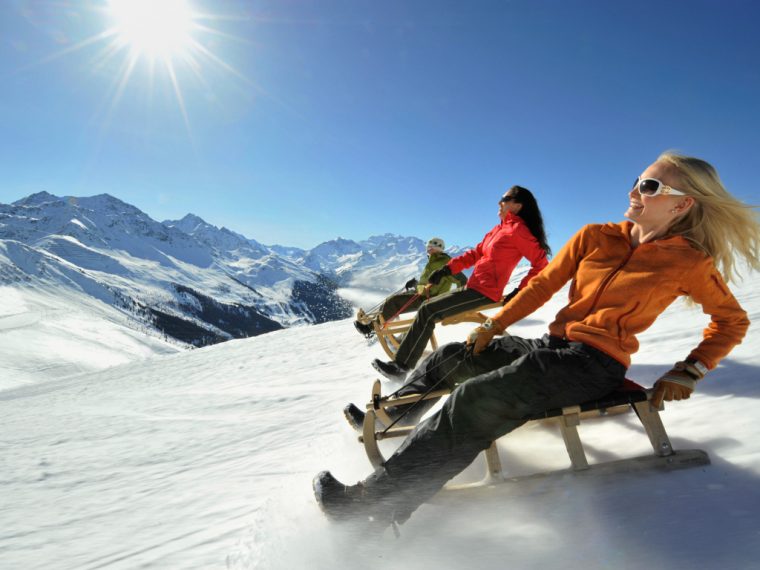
point(160, 37)
point(154, 28)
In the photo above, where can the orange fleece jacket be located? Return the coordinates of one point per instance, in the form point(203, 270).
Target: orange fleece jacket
point(618, 291)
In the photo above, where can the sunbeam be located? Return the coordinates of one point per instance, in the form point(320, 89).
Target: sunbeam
point(143, 41)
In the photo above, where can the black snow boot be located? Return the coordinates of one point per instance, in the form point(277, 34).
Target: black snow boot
point(365, 329)
point(390, 369)
point(354, 416)
point(338, 501)
point(370, 501)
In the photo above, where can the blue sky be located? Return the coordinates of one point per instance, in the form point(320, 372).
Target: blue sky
point(321, 119)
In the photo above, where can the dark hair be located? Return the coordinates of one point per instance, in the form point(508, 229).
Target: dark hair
point(531, 215)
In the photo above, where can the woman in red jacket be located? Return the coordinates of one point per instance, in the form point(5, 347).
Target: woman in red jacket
point(684, 234)
point(519, 234)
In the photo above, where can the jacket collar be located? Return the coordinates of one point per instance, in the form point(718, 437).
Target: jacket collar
point(510, 218)
point(623, 230)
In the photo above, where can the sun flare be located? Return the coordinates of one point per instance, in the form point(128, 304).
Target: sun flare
point(153, 28)
point(152, 44)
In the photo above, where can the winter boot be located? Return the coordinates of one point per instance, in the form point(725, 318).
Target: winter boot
point(370, 501)
point(354, 416)
point(346, 503)
point(391, 370)
point(338, 501)
point(365, 329)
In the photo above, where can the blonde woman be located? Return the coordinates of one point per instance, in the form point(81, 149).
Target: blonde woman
point(682, 238)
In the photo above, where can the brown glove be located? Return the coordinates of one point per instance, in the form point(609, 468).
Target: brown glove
point(481, 336)
point(678, 383)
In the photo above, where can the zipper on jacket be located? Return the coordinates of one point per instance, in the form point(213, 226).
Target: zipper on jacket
point(607, 280)
point(620, 320)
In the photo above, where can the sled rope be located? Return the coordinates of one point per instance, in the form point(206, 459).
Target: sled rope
point(441, 363)
point(380, 304)
point(402, 309)
point(429, 390)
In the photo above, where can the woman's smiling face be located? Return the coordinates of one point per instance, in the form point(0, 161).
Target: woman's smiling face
point(655, 211)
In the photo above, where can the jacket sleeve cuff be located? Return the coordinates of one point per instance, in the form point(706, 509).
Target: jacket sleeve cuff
point(693, 368)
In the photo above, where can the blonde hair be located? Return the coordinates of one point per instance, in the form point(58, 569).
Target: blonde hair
point(718, 224)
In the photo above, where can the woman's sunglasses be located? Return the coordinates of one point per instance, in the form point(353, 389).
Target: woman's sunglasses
point(506, 198)
point(654, 187)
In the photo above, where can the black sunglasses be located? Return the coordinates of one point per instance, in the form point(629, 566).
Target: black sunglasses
point(507, 198)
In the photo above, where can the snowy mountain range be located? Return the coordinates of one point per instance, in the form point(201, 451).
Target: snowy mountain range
point(186, 279)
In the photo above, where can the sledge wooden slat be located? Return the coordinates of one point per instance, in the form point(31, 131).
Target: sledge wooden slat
point(377, 411)
point(493, 462)
point(402, 400)
point(628, 395)
point(370, 441)
point(474, 316)
point(568, 425)
point(652, 422)
point(389, 433)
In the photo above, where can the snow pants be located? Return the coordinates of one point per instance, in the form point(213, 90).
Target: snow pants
point(431, 312)
point(513, 378)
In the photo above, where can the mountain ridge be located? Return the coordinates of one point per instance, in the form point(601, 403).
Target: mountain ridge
point(174, 275)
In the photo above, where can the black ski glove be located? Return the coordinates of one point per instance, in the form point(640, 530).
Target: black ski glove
point(438, 274)
point(510, 295)
point(411, 284)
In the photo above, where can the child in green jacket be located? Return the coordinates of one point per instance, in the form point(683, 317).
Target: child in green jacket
point(416, 291)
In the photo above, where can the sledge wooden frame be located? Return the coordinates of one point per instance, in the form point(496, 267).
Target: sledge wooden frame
point(390, 333)
point(568, 419)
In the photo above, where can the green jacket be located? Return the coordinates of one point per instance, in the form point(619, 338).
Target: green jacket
point(436, 261)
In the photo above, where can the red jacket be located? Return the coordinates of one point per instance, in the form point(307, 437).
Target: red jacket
point(497, 256)
point(618, 291)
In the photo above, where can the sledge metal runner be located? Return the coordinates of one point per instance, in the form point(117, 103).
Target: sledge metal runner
point(630, 396)
point(390, 333)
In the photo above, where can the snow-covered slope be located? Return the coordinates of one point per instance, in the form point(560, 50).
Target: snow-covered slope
point(50, 336)
point(203, 459)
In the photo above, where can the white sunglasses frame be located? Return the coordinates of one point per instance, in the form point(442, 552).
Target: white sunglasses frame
point(662, 188)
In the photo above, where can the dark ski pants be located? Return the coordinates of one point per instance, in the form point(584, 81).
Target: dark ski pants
point(431, 312)
point(395, 303)
point(512, 379)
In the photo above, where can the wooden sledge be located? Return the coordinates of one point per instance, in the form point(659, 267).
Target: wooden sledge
point(390, 333)
point(631, 396)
